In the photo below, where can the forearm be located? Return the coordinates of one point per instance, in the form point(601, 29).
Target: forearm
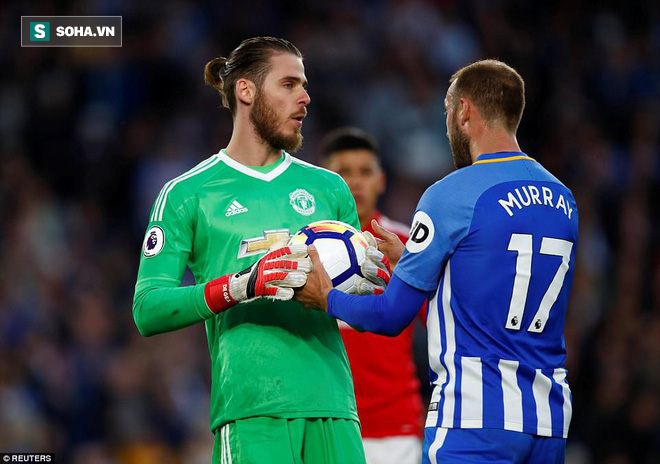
point(386, 314)
point(164, 309)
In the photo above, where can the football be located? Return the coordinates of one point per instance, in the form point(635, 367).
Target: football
point(341, 249)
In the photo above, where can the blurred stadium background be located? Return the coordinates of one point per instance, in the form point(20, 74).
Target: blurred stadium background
point(89, 135)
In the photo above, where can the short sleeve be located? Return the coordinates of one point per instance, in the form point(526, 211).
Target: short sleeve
point(442, 219)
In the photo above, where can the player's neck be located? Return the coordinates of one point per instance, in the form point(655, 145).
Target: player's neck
point(493, 141)
point(247, 148)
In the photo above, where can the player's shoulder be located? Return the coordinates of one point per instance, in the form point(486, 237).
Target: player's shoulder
point(181, 188)
point(316, 172)
point(467, 184)
point(191, 179)
point(455, 188)
point(543, 174)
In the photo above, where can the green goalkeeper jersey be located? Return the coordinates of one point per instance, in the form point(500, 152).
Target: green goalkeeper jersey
point(268, 358)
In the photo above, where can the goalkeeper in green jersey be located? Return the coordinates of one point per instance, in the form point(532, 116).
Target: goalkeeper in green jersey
point(281, 390)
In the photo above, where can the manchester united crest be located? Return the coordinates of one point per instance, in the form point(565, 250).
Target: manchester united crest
point(302, 201)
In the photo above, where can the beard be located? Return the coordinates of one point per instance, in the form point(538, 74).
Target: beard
point(460, 146)
point(264, 119)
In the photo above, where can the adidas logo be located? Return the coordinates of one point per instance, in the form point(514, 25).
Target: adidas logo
point(235, 208)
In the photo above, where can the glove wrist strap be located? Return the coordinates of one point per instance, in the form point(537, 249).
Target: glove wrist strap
point(217, 295)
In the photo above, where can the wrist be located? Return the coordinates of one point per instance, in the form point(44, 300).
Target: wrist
point(325, 299)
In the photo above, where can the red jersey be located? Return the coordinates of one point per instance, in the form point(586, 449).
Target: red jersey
point(385, 376)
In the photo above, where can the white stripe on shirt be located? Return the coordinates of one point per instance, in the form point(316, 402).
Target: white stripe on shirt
point(450, 335)
point(511, 396)
point(560, 377)
point(541, 389)
point(471, 393)
point(434, 349)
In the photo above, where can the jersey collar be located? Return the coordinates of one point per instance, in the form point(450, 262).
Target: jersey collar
point(501, 156)
point(248, 171)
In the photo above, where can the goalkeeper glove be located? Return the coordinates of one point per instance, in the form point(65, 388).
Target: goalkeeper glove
point(375, 269)
point(274, 276)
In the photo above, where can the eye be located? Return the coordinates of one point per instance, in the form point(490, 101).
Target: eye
point(288, 85)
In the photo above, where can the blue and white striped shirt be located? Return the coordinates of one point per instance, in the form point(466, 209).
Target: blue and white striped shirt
point(495, 243)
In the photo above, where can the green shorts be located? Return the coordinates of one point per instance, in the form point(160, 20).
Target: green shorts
point(262, 440)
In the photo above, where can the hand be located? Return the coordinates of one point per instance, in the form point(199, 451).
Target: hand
point(274, 276)
point(391, 245)
point(375, 269)
point(314, 294)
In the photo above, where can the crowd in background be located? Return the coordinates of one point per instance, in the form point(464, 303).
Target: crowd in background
point(88, 136)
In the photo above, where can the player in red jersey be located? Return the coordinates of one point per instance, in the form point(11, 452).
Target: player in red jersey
point(386, 385)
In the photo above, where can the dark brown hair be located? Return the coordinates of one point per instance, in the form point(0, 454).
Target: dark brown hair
point(347, 138)
point(250, 60)
point(495, 88)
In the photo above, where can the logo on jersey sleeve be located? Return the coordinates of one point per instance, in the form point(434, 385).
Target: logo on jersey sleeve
point(153, 242)
point(303, 202)
point(421, 232)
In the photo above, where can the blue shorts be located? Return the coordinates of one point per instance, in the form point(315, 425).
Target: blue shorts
point(463, 446)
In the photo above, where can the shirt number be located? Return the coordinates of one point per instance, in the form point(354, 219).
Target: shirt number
point(522, 244)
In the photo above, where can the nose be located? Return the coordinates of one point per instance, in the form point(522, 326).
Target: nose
point(305, 98)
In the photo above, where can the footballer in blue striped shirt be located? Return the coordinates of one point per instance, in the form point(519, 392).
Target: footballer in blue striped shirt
point(492, 246)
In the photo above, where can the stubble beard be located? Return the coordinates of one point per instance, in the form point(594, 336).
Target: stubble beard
point(460, 146)
point(264, 119)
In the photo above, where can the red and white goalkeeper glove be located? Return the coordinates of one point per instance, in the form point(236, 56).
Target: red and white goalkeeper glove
point(274, 276)
point(375, 269)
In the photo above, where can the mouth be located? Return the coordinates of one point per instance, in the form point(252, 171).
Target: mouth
point(298, 118)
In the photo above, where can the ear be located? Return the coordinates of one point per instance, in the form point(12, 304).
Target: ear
point(463, 112)
point(246, 91)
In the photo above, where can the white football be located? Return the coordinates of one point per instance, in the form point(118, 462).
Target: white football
point(341, 249)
